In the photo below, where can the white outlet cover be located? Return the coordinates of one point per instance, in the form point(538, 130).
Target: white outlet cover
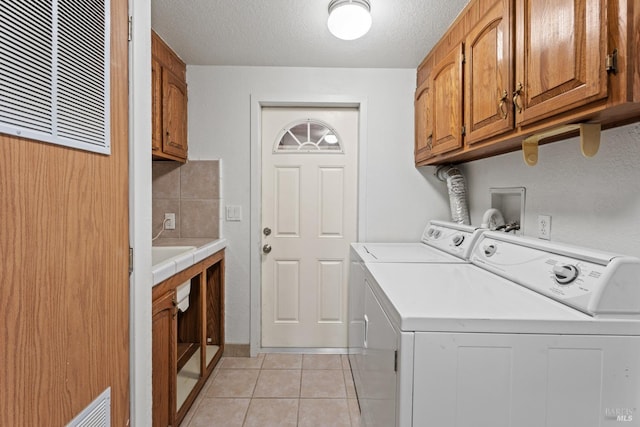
point(544, 227)
point(170, 219)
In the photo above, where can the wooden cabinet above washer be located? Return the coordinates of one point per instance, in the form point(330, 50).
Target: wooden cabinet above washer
point(529, 66)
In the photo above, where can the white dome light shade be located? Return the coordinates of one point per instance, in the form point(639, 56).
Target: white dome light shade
point(331, 138)
point(349, 19)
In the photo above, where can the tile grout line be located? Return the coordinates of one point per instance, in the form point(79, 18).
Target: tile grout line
point(263, 367)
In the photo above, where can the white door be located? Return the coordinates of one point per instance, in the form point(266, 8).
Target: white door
point(309, 217)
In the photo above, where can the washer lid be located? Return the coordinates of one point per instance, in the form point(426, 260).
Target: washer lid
point(464, 298)
point(402, 252)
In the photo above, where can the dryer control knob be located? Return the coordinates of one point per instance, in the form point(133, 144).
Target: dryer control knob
point(458, 239)
point(437, 233)
point(489, 250)
point(565, 273)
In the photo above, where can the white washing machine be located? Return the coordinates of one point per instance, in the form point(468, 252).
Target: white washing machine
point(530, 334)
point(442, 243)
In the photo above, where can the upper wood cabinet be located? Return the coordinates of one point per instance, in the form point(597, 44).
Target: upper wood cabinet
point(156, 107)
point(530, 66)
point(489, 75)
point(561, 47)
point(423, 129)
point(174, 115)
point(445, 84)
point(169, 102)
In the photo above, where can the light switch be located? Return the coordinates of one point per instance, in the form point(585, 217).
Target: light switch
point(234, 213)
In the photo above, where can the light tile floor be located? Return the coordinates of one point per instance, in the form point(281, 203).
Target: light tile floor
point(280, 390)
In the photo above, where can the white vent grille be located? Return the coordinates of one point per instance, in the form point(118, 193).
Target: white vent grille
point(97, 414)
point(54, 72)
point(26, 65)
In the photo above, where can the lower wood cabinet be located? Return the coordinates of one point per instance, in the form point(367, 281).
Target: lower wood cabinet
point(186, 343)
point(164, 357)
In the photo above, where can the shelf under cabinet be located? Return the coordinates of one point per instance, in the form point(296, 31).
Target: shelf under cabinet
point(189, 373)
point(185, 351)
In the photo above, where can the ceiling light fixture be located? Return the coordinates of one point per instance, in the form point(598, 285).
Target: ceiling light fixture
point(331, 138)
point(349, 19)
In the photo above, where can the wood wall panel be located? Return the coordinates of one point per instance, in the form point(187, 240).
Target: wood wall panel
point(64, 323)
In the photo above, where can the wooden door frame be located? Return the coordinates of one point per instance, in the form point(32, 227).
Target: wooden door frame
point(258, 101)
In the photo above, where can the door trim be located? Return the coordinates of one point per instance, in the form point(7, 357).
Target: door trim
point(298, 100)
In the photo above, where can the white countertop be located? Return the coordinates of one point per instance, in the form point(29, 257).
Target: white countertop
point(202, 248)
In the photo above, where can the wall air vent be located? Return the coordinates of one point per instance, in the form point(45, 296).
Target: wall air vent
point(97, 414)
point(54, 72)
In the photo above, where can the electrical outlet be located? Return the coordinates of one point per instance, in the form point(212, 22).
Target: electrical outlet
point(170, 221)
point(544, 227)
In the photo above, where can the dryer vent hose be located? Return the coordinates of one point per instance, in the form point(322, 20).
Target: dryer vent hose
point(457, 193)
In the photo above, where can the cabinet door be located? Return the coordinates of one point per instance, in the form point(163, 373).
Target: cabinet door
point(164, 360)
point(560, 51)
point(445, 84)
point(377, 395)
point(356, 320)
point(156, 106)
point(488, 75)
point(174, 114)
point(423, 127)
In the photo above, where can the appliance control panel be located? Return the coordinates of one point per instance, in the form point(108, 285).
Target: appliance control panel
point(592, 282)
point(450, 237)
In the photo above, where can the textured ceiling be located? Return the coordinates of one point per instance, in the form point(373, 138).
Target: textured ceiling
point(294, 32)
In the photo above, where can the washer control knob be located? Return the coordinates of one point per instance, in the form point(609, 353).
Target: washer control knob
point(565, 273)
point(489, 250)
point(430, 231)
point(437, 233)
point(458, 239)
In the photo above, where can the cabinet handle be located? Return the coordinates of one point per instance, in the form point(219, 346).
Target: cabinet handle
point(430, 141)
point(516, 95)
point(501, 105)
point(366, 331)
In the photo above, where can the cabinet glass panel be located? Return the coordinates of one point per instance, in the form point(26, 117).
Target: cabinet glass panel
point(189, 330)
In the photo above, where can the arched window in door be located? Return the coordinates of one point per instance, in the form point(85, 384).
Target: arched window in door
point(308, 136)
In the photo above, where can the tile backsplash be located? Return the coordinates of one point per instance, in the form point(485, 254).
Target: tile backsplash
point(192, 192)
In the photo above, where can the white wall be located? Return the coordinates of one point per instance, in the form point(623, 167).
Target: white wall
point(594, 202)
point(140, 213)
point(399, 198)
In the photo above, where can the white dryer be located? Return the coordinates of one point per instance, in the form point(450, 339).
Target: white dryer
point(441, 243)
point(530, 334)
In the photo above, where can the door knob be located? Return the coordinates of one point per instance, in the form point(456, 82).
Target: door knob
point(266, 231)
point(266, 248)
